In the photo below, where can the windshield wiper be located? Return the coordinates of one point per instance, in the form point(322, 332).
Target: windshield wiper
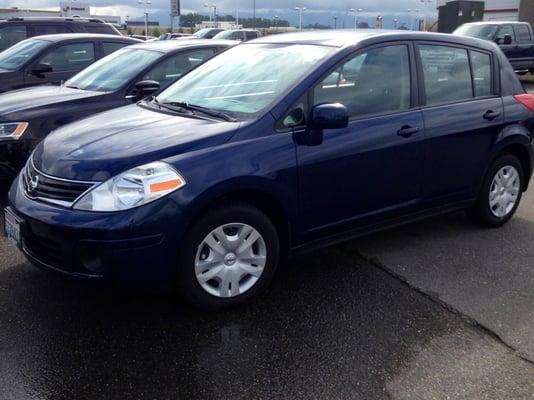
point(208, 111)
point(168, 106)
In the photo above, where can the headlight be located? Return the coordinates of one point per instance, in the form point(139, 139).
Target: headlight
point(132, 188)
point(12, 130)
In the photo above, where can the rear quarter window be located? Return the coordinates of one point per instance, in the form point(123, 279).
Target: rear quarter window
point(12, 34)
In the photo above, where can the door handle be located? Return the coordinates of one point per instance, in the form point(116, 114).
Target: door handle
point(491, 115)
point(407, 131)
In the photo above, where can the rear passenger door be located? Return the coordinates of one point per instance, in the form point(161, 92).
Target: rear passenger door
point(463, 115)
point(65, 60)
point(374, 166)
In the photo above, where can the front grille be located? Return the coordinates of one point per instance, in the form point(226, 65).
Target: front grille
point(44, 250)
point(40, 186)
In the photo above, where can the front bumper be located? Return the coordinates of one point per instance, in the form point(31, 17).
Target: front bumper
point(136, 247)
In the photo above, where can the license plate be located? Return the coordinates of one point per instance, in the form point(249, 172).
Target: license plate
point(12, 227)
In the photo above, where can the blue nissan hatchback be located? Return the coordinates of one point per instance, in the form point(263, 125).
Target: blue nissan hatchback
point(281, 144)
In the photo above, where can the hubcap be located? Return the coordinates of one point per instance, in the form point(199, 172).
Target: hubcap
point(230, 260)
point(504, 191)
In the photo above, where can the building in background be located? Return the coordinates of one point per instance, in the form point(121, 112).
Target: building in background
point(454, 13)
point(78, 10)
point(499, 10)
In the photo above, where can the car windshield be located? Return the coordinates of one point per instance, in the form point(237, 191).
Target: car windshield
point(224, 35)
point(207, 32)
point(246, 79)
point(479, 31)
point(114, 71)
point(17, 55)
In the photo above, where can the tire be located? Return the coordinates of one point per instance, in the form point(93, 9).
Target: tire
point(498, 213)
point(231, 223)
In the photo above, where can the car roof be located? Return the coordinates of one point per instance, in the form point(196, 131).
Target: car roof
point(166, 46)
point(495, 23)
point(59, 37)
point(345, 38)
point(52, 19)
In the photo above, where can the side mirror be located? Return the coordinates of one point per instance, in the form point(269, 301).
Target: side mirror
point(507, 39)
point(325, 116)
point(329, 116)
point(40, 69)
point(146, 88)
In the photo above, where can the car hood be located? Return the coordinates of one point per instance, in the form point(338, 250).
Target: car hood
point(23, 99)
point(106, 144)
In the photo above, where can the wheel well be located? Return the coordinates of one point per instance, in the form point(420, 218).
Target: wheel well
point(523, 157)
point(264, 202)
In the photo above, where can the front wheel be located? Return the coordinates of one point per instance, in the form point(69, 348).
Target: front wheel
point(500, 194)
point(228, 256)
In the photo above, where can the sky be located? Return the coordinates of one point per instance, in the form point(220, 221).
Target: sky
point(318, 11)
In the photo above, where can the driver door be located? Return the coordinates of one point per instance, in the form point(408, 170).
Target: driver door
point(64, 60)
point(374, 166)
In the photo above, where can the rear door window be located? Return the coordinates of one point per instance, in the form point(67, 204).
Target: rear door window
point(523, 33)
point(102, 28)
point(70, 57)
point(482, 76)
point(374, 82)
point(49, 29)
point(12, 34)
point(110, 47)
point(446, 73)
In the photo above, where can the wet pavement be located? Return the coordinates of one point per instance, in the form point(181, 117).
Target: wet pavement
point(334, 325)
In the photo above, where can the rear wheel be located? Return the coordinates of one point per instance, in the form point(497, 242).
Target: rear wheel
point(500, 194)
point(228, 256)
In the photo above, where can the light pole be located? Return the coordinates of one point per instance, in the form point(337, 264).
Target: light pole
point(146, 4)
point(254, 13)
point(276, 17)
point(356, 12)
point(416, 11)
point(214, 7)
point(300, 10)
point(395, 21)
point(237, 12)
point(425, 2)
point(335, 22)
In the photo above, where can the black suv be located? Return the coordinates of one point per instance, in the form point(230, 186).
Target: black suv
point(13, 30)
point(54, 58)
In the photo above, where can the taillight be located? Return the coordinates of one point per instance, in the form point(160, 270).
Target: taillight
point(526, 99)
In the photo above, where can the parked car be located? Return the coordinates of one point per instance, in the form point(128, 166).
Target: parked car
point(238, 34)
point(516, 40)
point(124, 77)
point(249, 157)
point(207, 33)
point(14, 30)
point(52, 59)
point(174, 35)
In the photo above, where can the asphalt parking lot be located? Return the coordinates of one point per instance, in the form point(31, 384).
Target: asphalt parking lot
point(434, 310)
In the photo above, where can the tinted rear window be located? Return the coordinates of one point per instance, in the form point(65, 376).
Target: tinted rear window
point(103, 28)
point(523, 34)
